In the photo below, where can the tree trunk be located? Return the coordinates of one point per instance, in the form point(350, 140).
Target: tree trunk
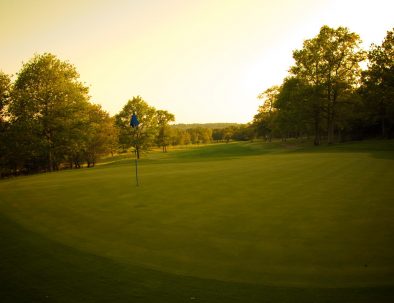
point(330, 131)
point(137, 151)
point(317, 139)
point(317, 129)
point(332, 100)
point(50, 160)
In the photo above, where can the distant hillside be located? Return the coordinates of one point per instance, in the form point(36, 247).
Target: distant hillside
point(204, 125)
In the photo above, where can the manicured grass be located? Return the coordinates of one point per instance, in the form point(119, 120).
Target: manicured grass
point(239, 222)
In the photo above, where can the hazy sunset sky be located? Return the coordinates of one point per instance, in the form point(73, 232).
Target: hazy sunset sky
point(204, 61)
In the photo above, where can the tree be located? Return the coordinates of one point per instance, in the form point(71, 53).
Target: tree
point(243, 132)
point(200, 135)
point(263, 121)
point(378, 84)
point(100, 134)
point(180, 136)
point(46, 101)
point(295, 109)
point(329, 63)
point(228, 133)
point(217, 134)
point(194, 135)
point(5, 93)
point(141, 138)
point(164, 134)
point(205, 134)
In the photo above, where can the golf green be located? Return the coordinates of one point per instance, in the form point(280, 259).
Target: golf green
point(238, 222)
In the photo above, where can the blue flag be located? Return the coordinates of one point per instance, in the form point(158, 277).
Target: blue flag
point(134, 121)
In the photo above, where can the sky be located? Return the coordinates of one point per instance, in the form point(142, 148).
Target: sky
point(202, 60)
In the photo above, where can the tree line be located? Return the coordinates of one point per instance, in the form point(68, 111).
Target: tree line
point(47, 121)
point(328, 96)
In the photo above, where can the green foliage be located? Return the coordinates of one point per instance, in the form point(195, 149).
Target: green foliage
point(179, 136)
point(296, 107)
point(164, 132)
point(203, 125)
point(101, 135)
point(47, 121)
point(200, 135)
point(329, 63)
point(378, 85)
point(236, 132)
point(264, 120)
point(207, 132)
point(46, 103)
point(5, 92)
point(141, 138)
point(321, 97)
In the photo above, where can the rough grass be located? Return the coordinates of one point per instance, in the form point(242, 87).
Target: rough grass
point(240, 222)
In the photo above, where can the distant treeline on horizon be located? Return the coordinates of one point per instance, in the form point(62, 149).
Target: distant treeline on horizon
point(204, 125)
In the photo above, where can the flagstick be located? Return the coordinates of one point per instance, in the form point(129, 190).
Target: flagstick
point(134, 123)
point(136, 168)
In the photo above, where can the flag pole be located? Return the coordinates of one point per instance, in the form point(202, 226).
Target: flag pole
point(134, 124)
point(136, 167)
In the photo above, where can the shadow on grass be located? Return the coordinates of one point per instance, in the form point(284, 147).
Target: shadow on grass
point(35, 269)
point(380, 149)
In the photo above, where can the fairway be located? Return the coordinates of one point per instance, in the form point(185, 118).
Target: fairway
point(237, 222)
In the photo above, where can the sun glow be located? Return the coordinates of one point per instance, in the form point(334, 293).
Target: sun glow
point(204, 61)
